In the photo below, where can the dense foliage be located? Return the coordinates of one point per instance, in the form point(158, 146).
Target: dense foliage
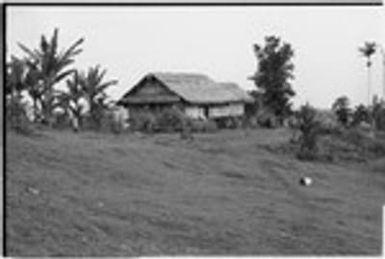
point(309, 127)
point(342, 110)
point(273, 75)
point(37, 75)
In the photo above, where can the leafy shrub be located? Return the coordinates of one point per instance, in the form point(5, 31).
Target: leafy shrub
point(380, 118)
point(115, 126)
point(167, 120)
point(61, 121)
point(365, 115)
point(342, 110)
point(170, 120)
point(356, 144)
point(229, 122)
point(144, 121)
point(16, 116)
point(210, 126)
point(251, 122)
point(310, 130)
point(108, 124)
point(267, 119)
point(378, 166)
point(328, 122)
point(361, 114)
point(200, 125)
point(338, 145)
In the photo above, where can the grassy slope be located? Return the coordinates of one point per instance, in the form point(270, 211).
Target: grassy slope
point(220, 194)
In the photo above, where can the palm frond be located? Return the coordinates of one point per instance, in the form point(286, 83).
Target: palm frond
point(93, 85)
point(32, 54)
point(104, 86)
point(71, 51)
point(63, 75)
point(101, 76)
point(368, 49)
point(53, 44)
point(44, 46)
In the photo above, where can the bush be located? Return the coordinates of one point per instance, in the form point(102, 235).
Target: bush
point(210, 126)
point(266, 118)
point(170, 120)
point(361, 114)
point(61, 121)
point(16, 117)
point(144, 121)
point(310, 130)
point(251, 122)
point(339, 145)
point(328, 122)
point(109, 124)
point(356, 144)
point(229, 122)
point(380, 118)
point(378, 166)
point(200, 125)
point(342, 110)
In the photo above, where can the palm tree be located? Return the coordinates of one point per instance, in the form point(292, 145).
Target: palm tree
point(52, 68)
point(367, 51)
point(94, 91)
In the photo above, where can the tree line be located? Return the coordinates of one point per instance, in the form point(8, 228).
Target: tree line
point(84, 98)
point(274, 93)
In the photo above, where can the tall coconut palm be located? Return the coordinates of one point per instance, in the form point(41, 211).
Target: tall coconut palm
point(94, 90)
point(368, 50)
point(52, 67)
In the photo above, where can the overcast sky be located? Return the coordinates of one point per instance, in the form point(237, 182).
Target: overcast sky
point(217, 41)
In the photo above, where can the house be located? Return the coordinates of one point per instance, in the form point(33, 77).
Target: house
point(197, 96)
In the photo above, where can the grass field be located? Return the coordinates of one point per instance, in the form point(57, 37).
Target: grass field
point(221, 194)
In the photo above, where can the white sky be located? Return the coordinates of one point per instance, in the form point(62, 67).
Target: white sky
point(217, 41)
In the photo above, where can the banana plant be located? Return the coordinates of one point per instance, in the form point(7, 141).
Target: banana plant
point(52, 66)
point(71, 100)
point(94, 88)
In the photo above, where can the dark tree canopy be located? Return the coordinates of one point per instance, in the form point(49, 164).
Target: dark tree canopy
point(94, 85)
point(367, 51)
point(50, 66)
point(361, 114)
point(342, 110)
point(274, 72)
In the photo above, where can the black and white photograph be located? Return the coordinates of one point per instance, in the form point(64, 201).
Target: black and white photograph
point(182, 129)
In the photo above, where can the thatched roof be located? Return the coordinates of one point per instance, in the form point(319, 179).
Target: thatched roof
point(199, 88)
point(236, 90)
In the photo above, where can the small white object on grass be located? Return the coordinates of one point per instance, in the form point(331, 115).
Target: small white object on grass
point(33, 190)
point(305, 181)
